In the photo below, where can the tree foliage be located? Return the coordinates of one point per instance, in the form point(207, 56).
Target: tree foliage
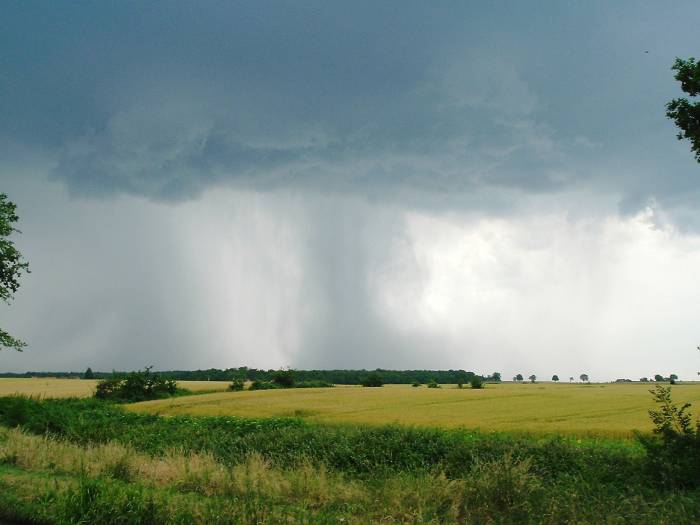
point(373, 380)
point(12, 265)
point(686, 113)
point(673, 450)
point(136, 386)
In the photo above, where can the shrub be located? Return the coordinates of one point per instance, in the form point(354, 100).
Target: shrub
point(136, 386)
point(263, 385)
point(477, 382)
point(237, 385)
point(313, 384)
point(415, 384)
point(433, 384)
point(373, 380)
point(673, 451)
point(283, 378)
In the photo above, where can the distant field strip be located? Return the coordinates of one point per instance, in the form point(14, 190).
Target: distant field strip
point(51, 387)
point(595, 409)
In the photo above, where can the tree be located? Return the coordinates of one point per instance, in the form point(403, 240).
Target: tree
point(12, 265)
point(519, 377)
point(283, 378)
point(571, 379)
point(532, 378)
point(685, 113)
point(673, 378)
point(477, 382)
point(584, 377)
point(373, 380)
point(496, 377)
point(658, 378)
point(88, 374)
point(555, 378)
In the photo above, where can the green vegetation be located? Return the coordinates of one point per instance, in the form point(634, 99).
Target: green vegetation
point(237, 385)
point(373, 380)
point(337, 377)
point(674, 448)
point(686, 113)
point(88, 461)
point(137, 386)
point(477, 382)
point(12, 266)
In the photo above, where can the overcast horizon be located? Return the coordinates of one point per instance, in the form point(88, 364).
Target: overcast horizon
point(329, 185)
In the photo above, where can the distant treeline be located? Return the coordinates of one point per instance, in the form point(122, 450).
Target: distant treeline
point(339, 377)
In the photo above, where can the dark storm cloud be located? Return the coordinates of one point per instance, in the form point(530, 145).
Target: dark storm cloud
point(346, 184)
point(167, 99)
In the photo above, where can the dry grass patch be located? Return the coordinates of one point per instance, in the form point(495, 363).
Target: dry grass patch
point(54, 387)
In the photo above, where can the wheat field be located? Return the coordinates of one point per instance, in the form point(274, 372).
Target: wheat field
point(53, 387)
point(582, 409)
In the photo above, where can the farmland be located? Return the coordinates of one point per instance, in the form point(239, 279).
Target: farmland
point(51, 387)
point(510, 453)
point(583, 409)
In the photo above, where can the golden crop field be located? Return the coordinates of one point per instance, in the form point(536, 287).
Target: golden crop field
point(53, 387)
point(595, 409)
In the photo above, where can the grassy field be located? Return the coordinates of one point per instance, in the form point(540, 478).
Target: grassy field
point(51, 387)
point(66, 461)
point(595, 409)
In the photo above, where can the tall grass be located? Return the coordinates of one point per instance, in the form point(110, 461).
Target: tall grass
point(85, 461)
point(355, 450)
point(52, 481)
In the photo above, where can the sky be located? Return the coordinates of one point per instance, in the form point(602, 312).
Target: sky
point(444, 185)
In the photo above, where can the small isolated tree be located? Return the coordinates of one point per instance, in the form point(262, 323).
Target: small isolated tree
point(496, 377)
point(673, 378)
point(555, 378)
point(477, 382)
point(433, 384)
point(658, 378)
point(571, 379)
point(532, 378)
point(685, 113)
point(519, 377)
point(415, 384)
point(88, 374)
point(643, 379)
point(584, 378)
point(12, 266)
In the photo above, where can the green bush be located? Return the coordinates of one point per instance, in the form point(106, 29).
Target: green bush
point(673, 451)
point(313, 384)
point(283, 378)
point(433, 384)
point(237, 385)
point(477, 382)
point(415, 384)
point(136, 386)
point(263, 385)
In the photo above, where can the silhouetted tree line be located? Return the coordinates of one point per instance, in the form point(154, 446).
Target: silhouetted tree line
point(339, 377)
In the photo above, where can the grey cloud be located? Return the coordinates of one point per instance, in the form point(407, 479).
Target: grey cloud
point(167, 100)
